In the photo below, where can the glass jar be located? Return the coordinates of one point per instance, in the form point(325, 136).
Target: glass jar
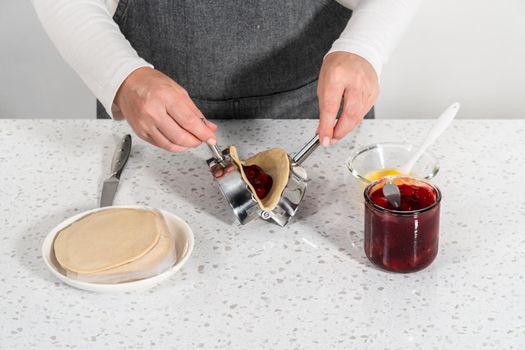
point(403, 239)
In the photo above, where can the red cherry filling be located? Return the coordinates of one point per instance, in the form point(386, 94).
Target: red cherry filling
point(261, 182)
point(412, 197)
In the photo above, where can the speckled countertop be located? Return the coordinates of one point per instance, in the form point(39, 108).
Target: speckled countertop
point(306, 286)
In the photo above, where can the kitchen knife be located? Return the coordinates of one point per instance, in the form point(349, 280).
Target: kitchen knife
point(120, 158)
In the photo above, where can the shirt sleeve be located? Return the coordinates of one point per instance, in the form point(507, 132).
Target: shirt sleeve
point(91, 42)
point(375, 28)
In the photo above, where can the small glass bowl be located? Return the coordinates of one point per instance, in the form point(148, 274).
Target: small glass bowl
point(390, 155)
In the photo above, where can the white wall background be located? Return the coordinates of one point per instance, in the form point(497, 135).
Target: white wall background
point(472, 51)
point(34, 80)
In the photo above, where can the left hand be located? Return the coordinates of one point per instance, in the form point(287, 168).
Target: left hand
point(349, 80)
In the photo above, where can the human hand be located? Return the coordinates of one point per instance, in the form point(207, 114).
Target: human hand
point(346, 80)
point(161, 112)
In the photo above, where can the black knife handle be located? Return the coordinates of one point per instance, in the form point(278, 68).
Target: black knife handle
point(120, 157)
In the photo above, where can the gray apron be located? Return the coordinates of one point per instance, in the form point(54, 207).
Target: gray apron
point(237, 58)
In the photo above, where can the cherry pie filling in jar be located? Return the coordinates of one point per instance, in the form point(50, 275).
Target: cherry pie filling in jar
point(406, 238)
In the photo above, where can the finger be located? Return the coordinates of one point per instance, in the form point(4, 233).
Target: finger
point(192, 122)
point(351, 114)
point(329, 104)
point(345, 124)
point(191, 105)
point(193, 108)
point(159, 140)
point(175, 134)
point(213, 127)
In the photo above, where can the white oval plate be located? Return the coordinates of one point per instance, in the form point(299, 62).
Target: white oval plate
point(184, 242)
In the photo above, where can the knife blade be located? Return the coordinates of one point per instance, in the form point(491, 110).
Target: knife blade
point(120, 158)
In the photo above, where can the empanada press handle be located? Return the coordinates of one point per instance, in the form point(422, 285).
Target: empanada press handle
point(305, 152)
point(217, 154)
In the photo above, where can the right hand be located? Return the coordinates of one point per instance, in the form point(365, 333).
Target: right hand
point(161, 112)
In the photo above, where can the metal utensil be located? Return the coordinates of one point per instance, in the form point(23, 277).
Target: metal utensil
point(392, 193)
point(295, 189)
point(218, 155)
point(120, 158)
point(242, 201)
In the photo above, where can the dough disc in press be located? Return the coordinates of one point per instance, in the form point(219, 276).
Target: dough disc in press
point(274, 162)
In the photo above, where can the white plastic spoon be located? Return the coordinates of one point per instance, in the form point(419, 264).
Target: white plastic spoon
point(441, 124)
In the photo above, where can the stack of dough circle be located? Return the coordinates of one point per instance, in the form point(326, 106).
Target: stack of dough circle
point(115, 245)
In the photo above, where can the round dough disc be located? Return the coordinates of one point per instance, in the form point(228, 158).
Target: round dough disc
point(159, 259)
point(107, 239)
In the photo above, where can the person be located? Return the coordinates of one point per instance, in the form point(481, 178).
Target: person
point(165, 65)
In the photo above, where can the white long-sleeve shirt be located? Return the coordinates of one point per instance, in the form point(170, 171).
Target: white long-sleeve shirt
point(91, 42)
